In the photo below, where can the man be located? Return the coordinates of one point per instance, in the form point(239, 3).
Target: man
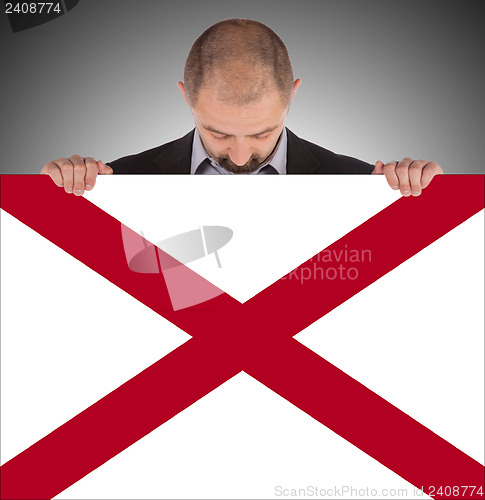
point(238, 83)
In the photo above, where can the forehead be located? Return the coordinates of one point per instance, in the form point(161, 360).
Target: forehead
point(231, 119)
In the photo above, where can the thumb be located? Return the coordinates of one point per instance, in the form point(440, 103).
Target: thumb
point(378, 168)
point(104, 169)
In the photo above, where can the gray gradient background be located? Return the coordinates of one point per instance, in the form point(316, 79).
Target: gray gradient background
point(381, 79)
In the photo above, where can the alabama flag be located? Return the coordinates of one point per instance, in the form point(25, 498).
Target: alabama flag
point(242, 337)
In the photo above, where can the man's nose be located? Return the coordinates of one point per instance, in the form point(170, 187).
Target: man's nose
point(240, 153)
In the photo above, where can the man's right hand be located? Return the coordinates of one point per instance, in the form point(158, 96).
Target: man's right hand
point(75, 174)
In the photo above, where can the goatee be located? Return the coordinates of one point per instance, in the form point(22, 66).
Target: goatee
point(250, 166)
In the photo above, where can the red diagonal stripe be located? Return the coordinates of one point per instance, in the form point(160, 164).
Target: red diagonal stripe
point(362, 417)
point(118, 420)
point(393, 235)
point(92, 236)
point(190, 318)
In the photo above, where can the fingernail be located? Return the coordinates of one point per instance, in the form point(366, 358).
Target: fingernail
point(406, 193)
point(416, 193)
point(79, 191)
point(395, 187)
point(69, 190)
point(88, 186)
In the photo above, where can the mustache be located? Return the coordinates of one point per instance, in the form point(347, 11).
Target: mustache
point(250, 166)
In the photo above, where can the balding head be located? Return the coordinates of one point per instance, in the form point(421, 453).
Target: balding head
point(241, 61)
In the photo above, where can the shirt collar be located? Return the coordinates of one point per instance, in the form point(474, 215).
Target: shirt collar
point(277, 159)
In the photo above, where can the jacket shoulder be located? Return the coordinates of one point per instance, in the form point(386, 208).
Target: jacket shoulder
point(326, 161)
point(334, 163)
point(140, 163)
point(147, 162)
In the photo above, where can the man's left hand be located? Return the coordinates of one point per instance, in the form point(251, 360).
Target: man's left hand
point(409, 176)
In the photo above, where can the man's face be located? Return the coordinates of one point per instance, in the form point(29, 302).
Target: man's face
point(239, 138)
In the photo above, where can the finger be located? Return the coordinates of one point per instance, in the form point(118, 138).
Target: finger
point(91, 172)
point(79, 174)
point(378, 168)
point(429, 171)
point(67, 171)
point(53, 171)
point(402, 172)
point(389, 170)
point(415, 171)
point(104, 169)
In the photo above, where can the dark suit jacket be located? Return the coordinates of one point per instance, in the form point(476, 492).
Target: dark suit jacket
point(303, 157)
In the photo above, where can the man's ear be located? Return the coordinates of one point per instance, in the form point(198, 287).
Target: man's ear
point(180, 85)
point(295, 87)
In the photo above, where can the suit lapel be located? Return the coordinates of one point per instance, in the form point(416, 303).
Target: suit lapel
point(299, 158)
point(175, 159)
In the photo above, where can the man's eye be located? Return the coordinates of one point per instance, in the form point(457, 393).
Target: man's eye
point(260, 137)
point(220, 137)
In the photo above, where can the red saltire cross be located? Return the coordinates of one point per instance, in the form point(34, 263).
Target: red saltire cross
point(229, 337)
